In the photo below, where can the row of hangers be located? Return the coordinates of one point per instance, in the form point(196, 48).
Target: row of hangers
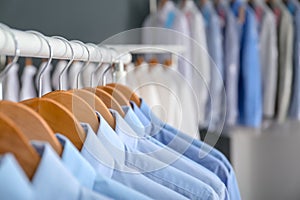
point(56, 112)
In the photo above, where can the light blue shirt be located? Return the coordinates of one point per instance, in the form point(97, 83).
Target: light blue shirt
point(250, 87)
point(215, 49)
point(196, 150)
point(158, 171)
point(14, 185)
point(88, 177)
point(294, 8)
point(148, 145)
point(104, 144)
point(53, 181)
point(231, 39)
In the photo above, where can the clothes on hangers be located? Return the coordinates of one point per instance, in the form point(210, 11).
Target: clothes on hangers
point(146, 144)
point(46, 79)
point(86, 75)
point(250, 94)
point(89, 178)
point(72, 75)
point(200, 59)
point(171, 28)
point(11, 84)
point(56, 182)
point(28, 89)
point(118, 170)
point(214, 44)
point(55, 76)
point(268, 58)
point(231, 48)
point(194, 149)
point(13, 182)
point(285, 30)
point(294, 111)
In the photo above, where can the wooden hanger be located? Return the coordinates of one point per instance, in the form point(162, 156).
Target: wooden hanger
point(107, 99)
point(82, 111)
point(95, 102)
point(59, 118)
point(119, 97)
point(127, 93)
point(13, 141)
point(30, 123)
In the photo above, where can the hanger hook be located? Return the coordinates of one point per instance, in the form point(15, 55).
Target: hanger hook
point(40, 76)
point(99, 64)
point(16, 53)
point(104, 74)
point(60, 77)
point(86, 64)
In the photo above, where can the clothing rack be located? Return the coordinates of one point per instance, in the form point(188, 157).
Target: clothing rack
point(174, 50)
point(31, 45)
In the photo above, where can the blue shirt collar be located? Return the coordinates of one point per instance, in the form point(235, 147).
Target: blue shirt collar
point(76, 164)
point(156, 123)
point(134, 122)
point(108, 137)
point(52, 179)
point(96, 154)
point(13, 182)
point(124, 131)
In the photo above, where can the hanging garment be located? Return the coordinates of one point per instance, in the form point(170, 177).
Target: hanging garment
point(161, 173)
point(11, 84)
point(148, 145)
point(86, 75)
point(28, 89)
point(231, 47)
point(199, 56)
point(99, 157)
point(143, 84)
point(72, 75)
point(294, 8)
point(214, 44)
point(89, 178)
point(53, 181)
point(285, 30)
point(14, 184)
point(55, 76)
point(196, 150)
point(268, 58)
point(171, 28)
point(250, 95)
point(46, 79)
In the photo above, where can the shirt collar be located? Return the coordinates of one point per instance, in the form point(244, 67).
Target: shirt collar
point(95, 153)
point(156, 123)
point(110, 140)
point(134, 122)
point(51, 178)
point(14, 184)
point(76, 164)
point(125, 133)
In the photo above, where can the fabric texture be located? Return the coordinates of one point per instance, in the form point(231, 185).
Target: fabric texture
point(28, 90)
point(11, 84)
point(14, 185)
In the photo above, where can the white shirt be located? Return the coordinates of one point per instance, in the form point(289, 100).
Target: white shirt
point(199, 55)
point(72, 75)
point(172, 28)
point(55, 76)
point(28, 89)
point(46, 79)
point(86, 75)
point(11, 84)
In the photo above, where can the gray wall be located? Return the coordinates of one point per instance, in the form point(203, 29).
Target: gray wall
point(86, 20)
